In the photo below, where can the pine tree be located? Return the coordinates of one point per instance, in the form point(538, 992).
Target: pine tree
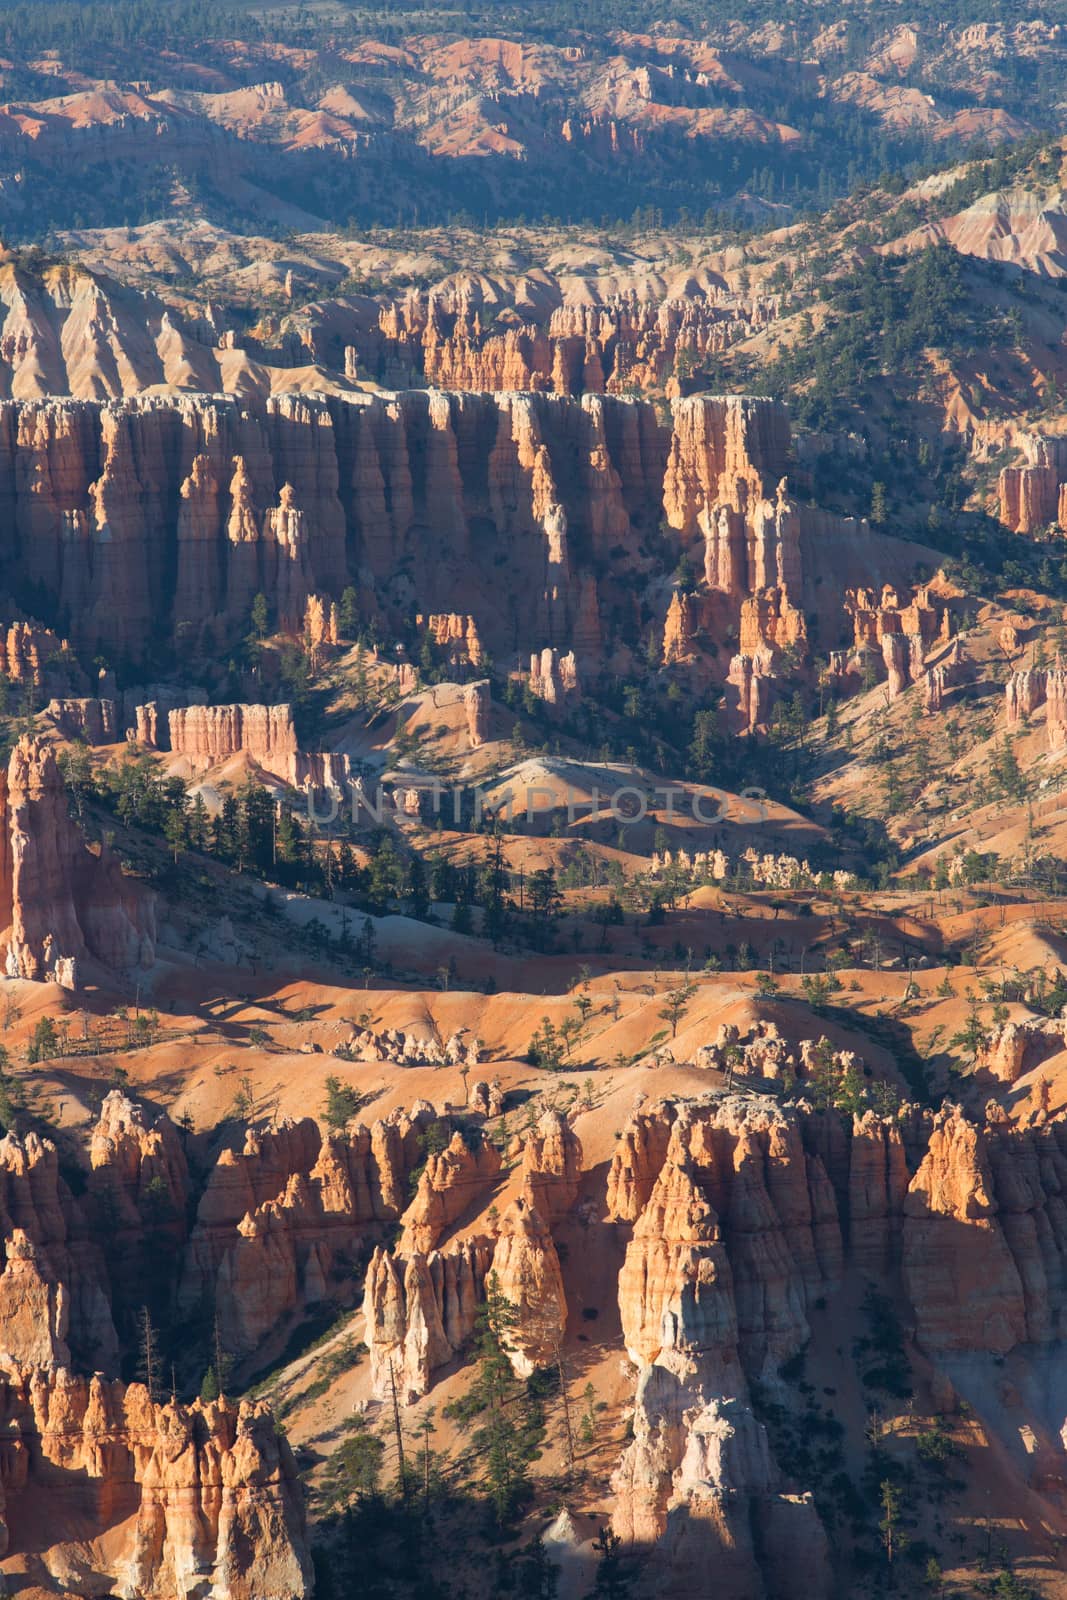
point(148, 1363)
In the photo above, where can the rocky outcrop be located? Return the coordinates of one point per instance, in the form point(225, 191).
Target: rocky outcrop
point(206, 1489)
point(896, 655)
point(1027, 690)
point(279, 1217)
point(451, 1181)
point(93, 720)
point(476, 701)
point(55, 1289)
point(456, 637)
point(322, 622)
point(28, 648)
point(209, 735)
point(969, 1211)
point(959, 1269)
point(721, 449)
point(526, 1272)
point(163, 518)
point(139, 1182)
point(551, 1167)
point(679, 629)
point(699, 1474)
point(34, 1308)
point(1012, 1048)
point(419, 1312)
point(554, 678)
point(919, 615)
point(750, 691)
point(1030, 496)
point(556, 344)
point(60, 903)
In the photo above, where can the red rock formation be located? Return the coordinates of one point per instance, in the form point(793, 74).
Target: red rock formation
point(896, 655)
point(1025, 691)
point(456, 636)
point(750, 691)
point(322, 621)
point(58, 901)
point(138, 1171)
point(554, 678)
point(526, 1271)
point(959, 1271)
point(207, 1488)
point(210, 735)
point(89, 719)
point(1005, 1050)
point(450, 1182)
point(146, 726)
point(921, 618)
point(679, 629)
point(27, 650)
point(640, 1152)
point(699, 1473)
point(476, 700)
point(275, 1216)
point(934, 684)
point(419, 1313)
point(769, 621)
point(34, 1308)
point(1029, 495)
point(62, 1272)
point(551, 1167)
point(721, 450)
point(539, 505)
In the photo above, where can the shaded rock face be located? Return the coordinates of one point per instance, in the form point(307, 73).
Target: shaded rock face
point(743, 1214)
point(969, 1212)
point(212, 1489)
point(526, 1272)
point(55, 1289)
point(58, 901)
point(93, 720)
point(735, 1224)
point(551, 1167)
point(152, 518)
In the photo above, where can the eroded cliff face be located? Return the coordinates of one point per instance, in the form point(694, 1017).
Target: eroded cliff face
point(552, 343)
point(206, 1496)
point(60, 902)
point(279, 1213)
point(1033, 687)
point(739, 1219)
point(1033, 495)
point(521, 516)
point(745, 1214)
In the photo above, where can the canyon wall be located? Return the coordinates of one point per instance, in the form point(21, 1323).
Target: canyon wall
point(1033, 687)
point(145, 519)
point(1033, 495)
point(60, 902)
point(738, 1219)
point(454, 336)
point(200, 1495)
